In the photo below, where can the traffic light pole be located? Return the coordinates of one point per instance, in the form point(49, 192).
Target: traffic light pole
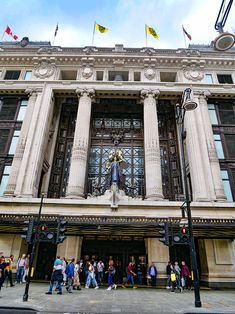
point(35, 240)
point(190, 225)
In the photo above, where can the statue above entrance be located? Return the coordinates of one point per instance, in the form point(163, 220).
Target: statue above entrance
point(116, 164)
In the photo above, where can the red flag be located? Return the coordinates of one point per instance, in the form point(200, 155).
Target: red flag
point(187, 34)
point(9, 32)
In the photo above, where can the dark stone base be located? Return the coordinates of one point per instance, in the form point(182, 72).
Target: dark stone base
point(218, 285)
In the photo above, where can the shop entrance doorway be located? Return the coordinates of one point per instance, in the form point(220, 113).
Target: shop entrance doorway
point(120, 251)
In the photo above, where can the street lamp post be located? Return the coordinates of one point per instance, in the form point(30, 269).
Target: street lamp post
point(188, 104)
point(35, 241)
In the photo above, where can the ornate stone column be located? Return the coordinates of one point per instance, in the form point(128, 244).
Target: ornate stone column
point(78, 164)
point(30, 170)
point(16, 164)
point(153, 174)
point(211, 150)
point(196, 152)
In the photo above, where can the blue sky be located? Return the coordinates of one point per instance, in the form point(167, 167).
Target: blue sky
point(125, 19)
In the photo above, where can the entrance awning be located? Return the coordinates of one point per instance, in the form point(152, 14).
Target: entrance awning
point(123, 226)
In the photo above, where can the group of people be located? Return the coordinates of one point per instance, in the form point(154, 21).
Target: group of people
point(68, 274)
point(6, 265)
point(178, 278)
point(91, 273)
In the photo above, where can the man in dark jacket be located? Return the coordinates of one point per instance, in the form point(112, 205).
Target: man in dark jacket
point(70, 275)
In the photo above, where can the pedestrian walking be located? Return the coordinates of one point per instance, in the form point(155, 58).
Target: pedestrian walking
point(168, 273)
point(20, 268)
point(3, 266)
point(64, 265)
point(185, 276)
point(176, 278)
point(8, 271)
point(70, 275)
point(130, 276)
point(152, 272)
point(76, 280)
point(56, 276)
point(140, 272)
point(111, 272)
point(100, 272)
point(91, 277)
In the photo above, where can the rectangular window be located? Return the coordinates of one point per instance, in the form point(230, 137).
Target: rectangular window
point(224, 78)
point(137, 76)
point(14, 142)
point(12, 75)
point(27, 75)
point(5, 177)
point(8, 107)
point(69, 75)
point(226, 183)
point(4, 133)
point(22, 111)
point(226, 113)
point(230, 144)
point(118, 76)
point(0, 75)
point(208, 78)
point(99, 75)
point(168, 76)
point(212, 114)
point(219, 147)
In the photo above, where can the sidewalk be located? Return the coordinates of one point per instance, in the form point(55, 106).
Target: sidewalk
point(117, 301)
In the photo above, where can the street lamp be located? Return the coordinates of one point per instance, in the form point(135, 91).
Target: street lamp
point(187, 104)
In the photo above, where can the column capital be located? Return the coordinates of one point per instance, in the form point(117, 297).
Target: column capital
point(202, 93)
point(149, 93)
point(33, 91)
point(89, 92)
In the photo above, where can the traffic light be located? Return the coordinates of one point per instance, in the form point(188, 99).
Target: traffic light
point(45, 234)
point(28, 231)
point(164, 232)
point(60, 237)
point(182, 237)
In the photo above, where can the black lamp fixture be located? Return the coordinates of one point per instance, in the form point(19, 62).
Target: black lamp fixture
point(188, 104)
point(225, 40)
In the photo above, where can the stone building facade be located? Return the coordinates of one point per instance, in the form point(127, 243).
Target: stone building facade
point(66, 112)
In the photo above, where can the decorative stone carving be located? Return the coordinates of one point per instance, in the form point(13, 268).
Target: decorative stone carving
point(87, 72)
point(149, 73)
point(49, 50)
point(89, 50)
point(193, 73)
point(44, 69)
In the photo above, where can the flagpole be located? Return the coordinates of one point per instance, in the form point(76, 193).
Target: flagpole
point(146, 35)
point(93, 35)
point(184, 37)
point(3, 35)
point(56, 30)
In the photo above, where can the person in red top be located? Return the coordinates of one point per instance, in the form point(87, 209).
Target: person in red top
point(130, 276)
point(185, 273)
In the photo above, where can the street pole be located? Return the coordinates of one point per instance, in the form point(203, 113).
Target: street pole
point(35, 240)
point(190, 225)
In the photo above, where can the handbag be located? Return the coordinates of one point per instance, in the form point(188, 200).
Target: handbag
point(173, 277)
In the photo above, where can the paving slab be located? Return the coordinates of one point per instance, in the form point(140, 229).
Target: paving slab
point(141, 300)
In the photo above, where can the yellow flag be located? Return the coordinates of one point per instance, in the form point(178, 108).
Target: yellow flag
point(100, 28)
point(152, 32)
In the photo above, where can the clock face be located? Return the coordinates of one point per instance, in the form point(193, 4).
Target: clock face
point(176, 238)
